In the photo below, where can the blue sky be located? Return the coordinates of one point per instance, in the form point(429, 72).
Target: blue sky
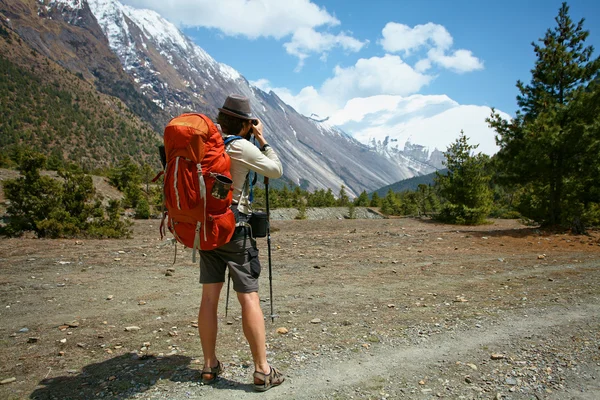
point(407, 69)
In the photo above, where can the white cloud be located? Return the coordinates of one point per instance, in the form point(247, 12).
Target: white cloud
point(306, 41)
point(376, 76)
point(431, 121)
point(460, 61)
point(307, 101)
point(356, 110)
point(256, 18)
point(373, 76)
point(400, 38)
point(260, 18)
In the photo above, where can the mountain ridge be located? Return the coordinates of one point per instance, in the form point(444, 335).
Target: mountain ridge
point(53, 110)
point(158, 72)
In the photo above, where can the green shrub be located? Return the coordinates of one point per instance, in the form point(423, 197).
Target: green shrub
point(142, 211)
point(114, 226)
point(462, 215)
point(54, 208)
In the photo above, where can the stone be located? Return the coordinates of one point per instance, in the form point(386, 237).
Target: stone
point(63, 341)
point(172, 333)
point(472, 366)
point(497, 356)
point(511, 381)
point(23, 330)
point(132, 328)
point(282, 330)
point(110, 297)
point(7, 380)
point(72, 324)
point(33, 340)
point(141, 303)
point(315, 321)
point(541, 257)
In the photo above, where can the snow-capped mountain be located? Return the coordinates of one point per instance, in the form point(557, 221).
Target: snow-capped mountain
point(179, 76)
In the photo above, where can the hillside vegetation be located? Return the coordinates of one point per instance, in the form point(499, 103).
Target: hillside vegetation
point(410, 184)
point(51, 110)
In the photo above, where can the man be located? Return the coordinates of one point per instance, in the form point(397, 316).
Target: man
point(240, 255)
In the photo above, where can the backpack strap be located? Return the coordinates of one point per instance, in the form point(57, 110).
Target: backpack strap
point(231, 138)
point(249, 182)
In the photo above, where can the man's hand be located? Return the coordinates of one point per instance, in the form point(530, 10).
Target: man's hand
point(257, 131)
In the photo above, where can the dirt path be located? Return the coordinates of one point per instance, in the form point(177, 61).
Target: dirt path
point(431, 363)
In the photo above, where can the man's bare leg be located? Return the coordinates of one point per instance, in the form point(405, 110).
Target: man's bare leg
point(207, 322)
point(253, 323)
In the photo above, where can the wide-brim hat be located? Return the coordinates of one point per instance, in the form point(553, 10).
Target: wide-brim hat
point(237, 106)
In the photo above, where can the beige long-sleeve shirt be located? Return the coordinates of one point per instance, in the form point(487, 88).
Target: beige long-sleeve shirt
point(246, 157)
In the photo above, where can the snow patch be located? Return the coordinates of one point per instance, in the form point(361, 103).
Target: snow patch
point(228, 72)
point(74, 4)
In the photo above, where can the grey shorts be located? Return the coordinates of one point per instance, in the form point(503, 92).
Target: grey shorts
point(240, 255)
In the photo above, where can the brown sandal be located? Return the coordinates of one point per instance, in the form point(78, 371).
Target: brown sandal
point(273, 378)
point(213, 372)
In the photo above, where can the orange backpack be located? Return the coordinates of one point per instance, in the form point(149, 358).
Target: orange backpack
point(198, 213)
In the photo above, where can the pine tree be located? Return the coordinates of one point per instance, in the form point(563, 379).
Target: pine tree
point(466, 185)
point(541, 148)
point(343, 199)
point(362, 200)
point(375, 200)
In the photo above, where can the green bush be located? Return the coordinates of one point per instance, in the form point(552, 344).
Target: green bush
point(462, 215)
point(31, 198)
point(142, 211)
point(58, 208)
point(114, 226)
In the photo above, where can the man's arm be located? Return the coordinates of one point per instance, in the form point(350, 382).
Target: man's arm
point(265, 160)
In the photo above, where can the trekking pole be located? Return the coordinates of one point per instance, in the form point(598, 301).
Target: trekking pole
point(269, 246)
point(227, 300)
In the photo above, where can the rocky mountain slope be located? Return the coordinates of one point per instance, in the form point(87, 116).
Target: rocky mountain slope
point(56, 111)
point(146, 61)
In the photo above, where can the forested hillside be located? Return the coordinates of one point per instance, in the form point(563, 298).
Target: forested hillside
point(49, 109)
point(410, 184)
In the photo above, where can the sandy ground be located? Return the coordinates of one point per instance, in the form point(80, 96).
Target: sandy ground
point(374, 309)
